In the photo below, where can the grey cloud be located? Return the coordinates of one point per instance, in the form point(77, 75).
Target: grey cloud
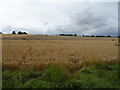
point(113, 31)
point(89, 21)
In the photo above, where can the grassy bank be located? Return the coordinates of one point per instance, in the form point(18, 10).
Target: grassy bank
point(95, 74)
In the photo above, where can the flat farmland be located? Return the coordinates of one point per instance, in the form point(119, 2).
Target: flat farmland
point(71, 53)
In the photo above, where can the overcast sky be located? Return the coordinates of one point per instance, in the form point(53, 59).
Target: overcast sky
point(37, 17)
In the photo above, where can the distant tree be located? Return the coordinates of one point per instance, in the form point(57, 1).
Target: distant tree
point(83, 35)
point(92, 35)
point(75, 34)
point(24, 33)
point(13, 32)
point(108, 36)
point(20, 32)
point(1, 33)
point(119, 39)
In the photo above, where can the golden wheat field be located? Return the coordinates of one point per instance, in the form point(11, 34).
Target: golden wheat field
point(18, 54)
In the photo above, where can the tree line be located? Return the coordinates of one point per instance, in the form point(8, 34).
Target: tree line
point(68, 34)
point(13, 32)
point(84, 35)
point(20, 32)
point(96, 36)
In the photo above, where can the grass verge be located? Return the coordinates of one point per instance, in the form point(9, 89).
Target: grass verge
point(93, 75)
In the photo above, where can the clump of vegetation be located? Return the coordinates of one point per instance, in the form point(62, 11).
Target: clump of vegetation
point(54, 73)
point(23, 38)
